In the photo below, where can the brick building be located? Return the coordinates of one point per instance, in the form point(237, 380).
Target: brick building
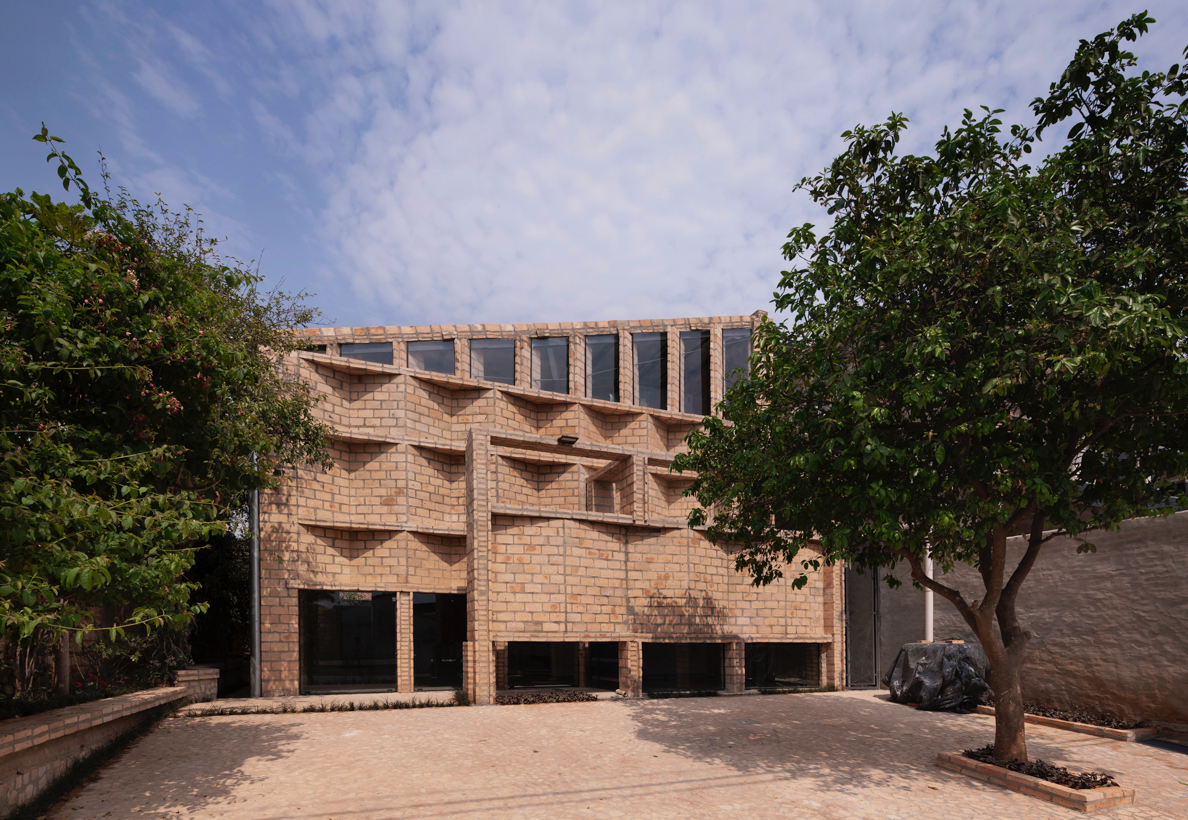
point(501, 514)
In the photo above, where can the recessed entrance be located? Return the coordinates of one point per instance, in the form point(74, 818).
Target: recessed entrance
point(348, 641)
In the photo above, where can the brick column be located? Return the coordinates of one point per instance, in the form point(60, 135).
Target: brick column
point(583, 666)
point(404, 643)
point(631, 668)
point(279, 632)
point(833, 664)
point(715, 365)
point(674, 369)
point(462, 357)
point(479, 657)
point(626, 368)
point(577, 365)
point(736, 667)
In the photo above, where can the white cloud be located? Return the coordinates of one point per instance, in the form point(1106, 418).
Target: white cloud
point(517, 161)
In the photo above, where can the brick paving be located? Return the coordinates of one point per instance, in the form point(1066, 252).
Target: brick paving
point(842, 755)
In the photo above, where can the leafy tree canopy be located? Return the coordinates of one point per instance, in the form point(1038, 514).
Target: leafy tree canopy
point(977, 347)
point(139, 400)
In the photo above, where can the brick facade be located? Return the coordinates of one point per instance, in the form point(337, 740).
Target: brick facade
point(450, 484)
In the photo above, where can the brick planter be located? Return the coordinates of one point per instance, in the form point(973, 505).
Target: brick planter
point(37, 749)
point(1126, 735)
point(1086, 800)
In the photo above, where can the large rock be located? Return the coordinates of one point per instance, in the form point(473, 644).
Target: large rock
point(940, 677)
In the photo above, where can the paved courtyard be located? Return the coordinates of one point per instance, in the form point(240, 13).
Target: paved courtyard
point(841, 755)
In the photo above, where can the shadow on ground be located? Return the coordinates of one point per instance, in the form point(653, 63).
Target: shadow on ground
point(206, 767)
point(837, 740)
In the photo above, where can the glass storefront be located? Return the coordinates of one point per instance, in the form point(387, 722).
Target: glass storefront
point(439, 630)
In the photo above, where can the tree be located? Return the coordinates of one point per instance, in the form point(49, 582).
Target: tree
point(140, 398)
point(977, 348)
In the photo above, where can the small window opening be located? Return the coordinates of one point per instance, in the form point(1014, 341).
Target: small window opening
point(493, 360)
point(550, 364)
point(436, 357)
point(736, 351)
point(602, 367)
point(376, 352)
point(651, 370)
point(695, 371)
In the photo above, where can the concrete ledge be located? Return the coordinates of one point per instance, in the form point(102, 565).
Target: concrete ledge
point(1125, 735)
point(37, 749)
point(1086, 800)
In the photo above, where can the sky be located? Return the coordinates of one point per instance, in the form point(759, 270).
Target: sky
point(499, 162)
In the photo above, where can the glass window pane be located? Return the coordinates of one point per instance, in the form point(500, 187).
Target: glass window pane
point(550, 364)
point(348, 641)
point(493, 360)
point(736, 349)
point(695, 371)
point(651, 369)
point(436, 357)
point(378, 352)
point(602, 367)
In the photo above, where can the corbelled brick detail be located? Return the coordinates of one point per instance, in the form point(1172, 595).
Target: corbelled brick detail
point(449, 484)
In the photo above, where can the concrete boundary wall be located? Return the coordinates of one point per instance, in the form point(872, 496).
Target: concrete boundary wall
point(1111, 627)
point(35, 750)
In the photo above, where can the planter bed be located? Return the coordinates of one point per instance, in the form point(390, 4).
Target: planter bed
point(1126, 735)
point(1086, 800)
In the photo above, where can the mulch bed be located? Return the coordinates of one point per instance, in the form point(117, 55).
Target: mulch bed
point(559, 696)
point(1081, 716)
point(1044, 771)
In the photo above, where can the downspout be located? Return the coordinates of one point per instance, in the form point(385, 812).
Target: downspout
point(928, 600)
point(254, 515)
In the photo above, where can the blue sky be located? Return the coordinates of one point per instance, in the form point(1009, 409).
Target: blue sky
point(511, 162)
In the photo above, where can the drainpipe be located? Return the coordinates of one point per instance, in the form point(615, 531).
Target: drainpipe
point(254, 515)
point(928, 600)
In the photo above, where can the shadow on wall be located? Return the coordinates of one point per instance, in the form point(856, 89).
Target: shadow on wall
point(691, 615)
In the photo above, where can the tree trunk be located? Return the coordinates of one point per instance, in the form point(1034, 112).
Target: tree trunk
point(1010, 740)
point(62, 664)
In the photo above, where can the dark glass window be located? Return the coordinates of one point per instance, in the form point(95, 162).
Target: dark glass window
point(348, 641)
point(602, 665)
point(493, 360)
point(781, 665)
point(602, 367)
point(550, 364)
point(651, 369)
point(439, 630)
point(695, 371)
point(682, 666)
point(736, 349)
point(317, 348)
point(531, 663)
point(436, 357)
point(378, 352)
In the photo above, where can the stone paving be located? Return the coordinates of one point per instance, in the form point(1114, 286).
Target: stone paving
point(837, 755)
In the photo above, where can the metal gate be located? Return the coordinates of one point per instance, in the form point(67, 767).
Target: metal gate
point(862, 628)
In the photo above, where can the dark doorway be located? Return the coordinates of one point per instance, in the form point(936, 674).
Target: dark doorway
point(439, 630)
point(782, 665)
point(862, 647)
point(348, 641)
point(602, 665)
point(682, 667)
point(531, 663)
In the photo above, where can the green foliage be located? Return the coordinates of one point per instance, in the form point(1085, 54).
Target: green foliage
point(975, 342)
point(977, 348)
point(138, 381)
